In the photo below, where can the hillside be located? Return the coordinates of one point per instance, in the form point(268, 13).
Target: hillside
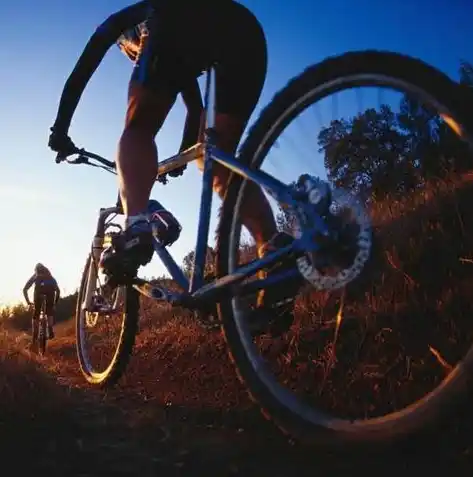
point(180, 409)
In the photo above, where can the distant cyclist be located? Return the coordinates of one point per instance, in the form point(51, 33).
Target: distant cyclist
point(46, 287)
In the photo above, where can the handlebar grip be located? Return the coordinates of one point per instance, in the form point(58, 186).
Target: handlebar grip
point(59, 158)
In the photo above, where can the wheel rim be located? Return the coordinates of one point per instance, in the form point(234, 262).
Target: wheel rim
point(88, 324)
point(283, 396)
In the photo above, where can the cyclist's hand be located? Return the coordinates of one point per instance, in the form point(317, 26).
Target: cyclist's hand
point(61, 142)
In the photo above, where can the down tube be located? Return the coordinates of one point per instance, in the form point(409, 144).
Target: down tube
point(197, 279)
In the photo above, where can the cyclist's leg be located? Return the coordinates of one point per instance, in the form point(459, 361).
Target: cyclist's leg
point(240, 77)
point(137, 152)
point(241, 72)
point(256, 213)
point(155, 83)
point(151, 95)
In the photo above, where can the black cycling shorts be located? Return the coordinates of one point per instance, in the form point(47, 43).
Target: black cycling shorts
point(184, 41)
point(38, 302)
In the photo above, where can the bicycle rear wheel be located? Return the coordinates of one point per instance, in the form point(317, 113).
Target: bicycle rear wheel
point(105, 335)
point(279, 403)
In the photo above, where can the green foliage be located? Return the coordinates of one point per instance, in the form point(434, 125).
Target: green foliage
point(188, 262)
point(466, 74)
point(19, 316)
point(382, 152)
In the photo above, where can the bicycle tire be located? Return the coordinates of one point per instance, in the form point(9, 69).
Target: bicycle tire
point(42, 328)
point(42, 336)
point(126, 342)
point(320, 428)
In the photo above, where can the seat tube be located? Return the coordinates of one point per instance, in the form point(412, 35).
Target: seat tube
point(210, 102)
point(207, 184)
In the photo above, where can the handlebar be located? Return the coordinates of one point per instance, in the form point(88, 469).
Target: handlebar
point(84, 157)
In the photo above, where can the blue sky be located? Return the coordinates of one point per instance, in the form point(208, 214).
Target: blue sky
point(49, 211)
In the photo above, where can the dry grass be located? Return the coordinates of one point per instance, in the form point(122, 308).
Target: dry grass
point(180, 409)
point(393, 334)
point(41, 422)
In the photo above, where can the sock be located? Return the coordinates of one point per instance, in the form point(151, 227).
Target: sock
point(133, 219)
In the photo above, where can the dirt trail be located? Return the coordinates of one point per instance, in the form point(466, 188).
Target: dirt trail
point(179, 411)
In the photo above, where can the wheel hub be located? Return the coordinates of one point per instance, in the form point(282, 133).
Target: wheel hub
point(341, 253)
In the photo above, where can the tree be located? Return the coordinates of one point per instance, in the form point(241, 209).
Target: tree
point(433, 143)
point(188, 262)
point(367, 154)
point(466, 73)
point(382, 152)
point(421, 129)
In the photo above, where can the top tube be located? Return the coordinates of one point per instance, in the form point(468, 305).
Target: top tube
point(171, 163)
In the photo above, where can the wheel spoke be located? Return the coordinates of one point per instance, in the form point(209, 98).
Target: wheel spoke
point(106, 322)
point(387, 336)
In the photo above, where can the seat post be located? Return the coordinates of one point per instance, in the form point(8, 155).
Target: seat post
point(210, 98)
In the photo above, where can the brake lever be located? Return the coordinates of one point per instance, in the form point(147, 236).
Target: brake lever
point(81, 160)
point(60, 158)
point(63, 157)
point(163, 179)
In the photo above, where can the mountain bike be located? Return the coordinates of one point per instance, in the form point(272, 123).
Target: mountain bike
point(40, 328)
point(312, 203)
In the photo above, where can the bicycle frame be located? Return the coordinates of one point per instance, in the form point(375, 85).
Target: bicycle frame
point(210, 153)
point(41, 323)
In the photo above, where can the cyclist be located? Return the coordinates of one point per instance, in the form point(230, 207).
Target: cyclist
point(46, 287)
point(183, 38)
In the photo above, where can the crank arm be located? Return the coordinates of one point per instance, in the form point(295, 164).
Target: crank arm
point(162, 294)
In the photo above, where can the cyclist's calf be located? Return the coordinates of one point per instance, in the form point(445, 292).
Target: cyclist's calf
point(257, 215)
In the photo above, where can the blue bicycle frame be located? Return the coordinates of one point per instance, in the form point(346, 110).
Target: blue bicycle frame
point(280, 191)
point(210, 153)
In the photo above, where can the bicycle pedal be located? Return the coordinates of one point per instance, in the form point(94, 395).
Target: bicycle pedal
point(101, 309)
point(152, 291)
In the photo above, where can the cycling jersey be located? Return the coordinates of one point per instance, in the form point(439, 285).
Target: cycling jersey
point(45, 288)
point(185, 37)
point(44, 285)
point(106, 35)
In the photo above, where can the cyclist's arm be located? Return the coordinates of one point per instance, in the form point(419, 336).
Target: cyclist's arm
point(57, 292)
point(193, 101)
point(27, 286)
point(99, 43)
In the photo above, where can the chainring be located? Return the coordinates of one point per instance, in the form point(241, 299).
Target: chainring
point(349, 210)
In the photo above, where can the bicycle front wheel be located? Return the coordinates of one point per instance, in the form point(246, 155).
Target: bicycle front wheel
point(106, 326)
point(346, 142)
point(42, 337)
